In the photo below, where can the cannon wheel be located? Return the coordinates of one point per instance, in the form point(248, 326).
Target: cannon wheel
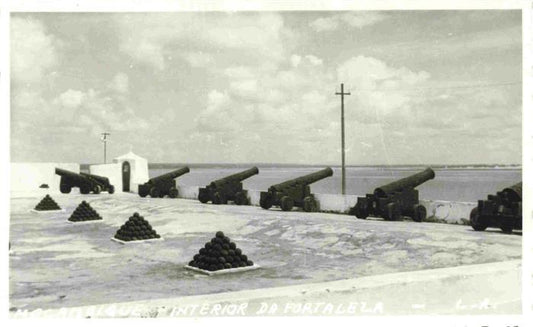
point(219, 198)
point(286, 203)
point(507, 225)
point(419, 213)
point(475, 221)
point(266, 203)
point(111, 189)
point(240, 199)
point(361, 210)
point(310, 205)
point(391, 212)
point(97, 189)
point(203, 196)
point(65, 188)
point(173, 192)
point(154, 192)
point(85, 189)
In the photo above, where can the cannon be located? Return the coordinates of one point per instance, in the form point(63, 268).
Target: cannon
point(294, 193)
point(86, 182)
point(227, 189)
point(158, 187)
point(503, 210)
point(394, 200)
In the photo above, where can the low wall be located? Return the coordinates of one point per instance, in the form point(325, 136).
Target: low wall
point(28, 176)
point(450, 212)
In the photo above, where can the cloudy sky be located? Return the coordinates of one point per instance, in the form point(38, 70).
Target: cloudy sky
point(426, 86)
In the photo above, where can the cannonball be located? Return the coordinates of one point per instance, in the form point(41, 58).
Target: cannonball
point(232, 245)
point(214, 240)
point(242, 264)
point(192, 263)
point(238, 251)
point(227, 265)
point(231, 252)
point(221, 260)
point(226, 240)
point(218, 247)
point(157, 236)
point(220, 266)
point(244, 257)
point(249, 263)
point(212, 267)
point(237, 258)
point(235, 264)
point(229, 258)
point(135, 214)
point(224, 253)
point(196, 257)
point(225, 246)
point(220, 234)
point(208, 245)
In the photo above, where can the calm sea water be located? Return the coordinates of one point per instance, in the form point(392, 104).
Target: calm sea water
point(467, 185)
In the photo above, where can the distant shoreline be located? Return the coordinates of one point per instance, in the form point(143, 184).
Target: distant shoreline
point(276, 165)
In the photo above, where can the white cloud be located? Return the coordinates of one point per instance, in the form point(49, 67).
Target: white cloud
point(350, 19)
point(33, 51)
point(158, 35)
point(381, 93)
point(198, 59)
point(325, 24)
point(314, 60)
point(70, 99)
point(295, 60)
point(244, 88)
point(362, 19)
point(120, 83)
point(297, 107)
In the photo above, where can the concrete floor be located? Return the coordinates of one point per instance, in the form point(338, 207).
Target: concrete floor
point(54, 264)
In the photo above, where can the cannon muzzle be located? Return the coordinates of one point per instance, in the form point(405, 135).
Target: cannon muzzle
point(63, 172)
point(170, 175)
point(305, 180)
point(236, 177)
point(514, 192)
point(405, 183)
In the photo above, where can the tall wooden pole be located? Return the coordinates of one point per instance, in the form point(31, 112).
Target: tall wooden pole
point(104, 139)
point(342, 94)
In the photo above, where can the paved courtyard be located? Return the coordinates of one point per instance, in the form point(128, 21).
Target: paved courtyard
point(55, 264)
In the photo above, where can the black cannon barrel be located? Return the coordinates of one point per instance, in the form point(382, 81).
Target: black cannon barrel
point(100, 179)
point(71, 175)
point(170, 175)
point(63, 172)
point(237, 177)
point(307, 179)
point(514, 192)
point(407, 182)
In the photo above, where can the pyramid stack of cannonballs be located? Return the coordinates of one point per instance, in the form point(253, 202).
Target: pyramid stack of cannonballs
point(220, 253)
point(136, 229)
point(84, 212)
point(47, 203)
